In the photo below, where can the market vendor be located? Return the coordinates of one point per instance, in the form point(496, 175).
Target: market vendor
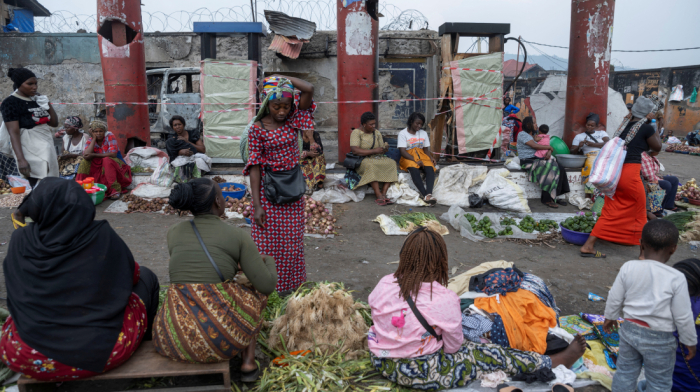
point(312, 160)
point(414, 145)
point(202, 284)
point(101, 161)
point(74, 143)
point(433, 354)
point(547, 171)
point(185, 143)
point(593, 139)
point(79, 303)
point(376, 168)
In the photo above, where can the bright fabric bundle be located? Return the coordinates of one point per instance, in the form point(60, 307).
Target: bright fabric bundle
point(607, 167)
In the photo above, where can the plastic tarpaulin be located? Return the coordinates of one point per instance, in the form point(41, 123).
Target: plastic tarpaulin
point(235, 84)
point(23, 20)
point(478, 122)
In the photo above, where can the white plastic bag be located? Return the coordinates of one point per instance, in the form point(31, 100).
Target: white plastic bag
point(401, 193)
point(389, 227)
point(18, 181)
point(457, 218)
point(163, 175)
point(150, 191)
point(676, 93)
point(513, 164)
point(452, 187)
point(503, 193)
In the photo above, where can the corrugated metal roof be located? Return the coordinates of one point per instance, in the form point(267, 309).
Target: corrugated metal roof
point(283, 24)
point(34, 5)
point(511, 68)
point(290, 47)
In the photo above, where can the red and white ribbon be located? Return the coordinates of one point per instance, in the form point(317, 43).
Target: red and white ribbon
point(226, 77)
point(224, 137)
point(473, 69)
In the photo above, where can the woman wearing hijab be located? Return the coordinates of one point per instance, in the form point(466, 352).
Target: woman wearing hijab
point(74, 143)
point(23, 111)
point(79, 303)
point(102, 162)
point(624, 216)
point(274, 143)
point(205, 297)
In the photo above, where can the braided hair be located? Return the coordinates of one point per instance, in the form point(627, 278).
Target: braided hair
point(691, 269)
point(423, 258)
point(415, 116)
point(197, 196)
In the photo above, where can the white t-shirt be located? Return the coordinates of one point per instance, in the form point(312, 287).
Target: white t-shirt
point(598, 135)
point(68, 146)
point(409, 141)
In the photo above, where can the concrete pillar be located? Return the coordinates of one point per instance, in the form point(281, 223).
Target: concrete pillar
point(589, 63)
point(358, 35)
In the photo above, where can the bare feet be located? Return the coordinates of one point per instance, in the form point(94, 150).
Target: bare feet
point(248, 357)
point(571, 354)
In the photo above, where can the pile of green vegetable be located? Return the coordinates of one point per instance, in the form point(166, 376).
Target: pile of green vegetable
point(546, 225)
point(506, 231)
point(580, 223)
point(484, 226)
point(417, 218)
point(508, 221)
point(527, 224)
point(682, 219)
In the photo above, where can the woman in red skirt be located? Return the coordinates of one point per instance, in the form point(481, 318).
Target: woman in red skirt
point(624, 216)
point(101, 162)
point(273, 142)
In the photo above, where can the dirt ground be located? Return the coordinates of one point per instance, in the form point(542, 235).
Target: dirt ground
point(359, 256)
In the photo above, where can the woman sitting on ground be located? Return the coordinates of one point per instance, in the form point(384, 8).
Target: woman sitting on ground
point(79, 303)
point(202, 295)
point(376, 168)
point(650, 173)
point(414, 145)
point(593, 139)
point(185, 144)
point(74, 143)
point(312, 161)
point(403, 351)
point(547, 172)
point(102, 163)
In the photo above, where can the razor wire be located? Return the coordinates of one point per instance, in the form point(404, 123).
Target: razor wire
point(321, 12)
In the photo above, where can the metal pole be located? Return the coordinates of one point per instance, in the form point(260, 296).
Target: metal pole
point(590, 43)
point(357, 65)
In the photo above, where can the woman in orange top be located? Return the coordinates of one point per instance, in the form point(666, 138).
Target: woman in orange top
point(414, 145)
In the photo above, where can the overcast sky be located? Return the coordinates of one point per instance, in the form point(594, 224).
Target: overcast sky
point(639, 24)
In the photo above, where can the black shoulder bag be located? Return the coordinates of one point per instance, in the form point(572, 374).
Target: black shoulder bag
point(285, 186)
point(353, 161)
point(422, 320)
point(206, 251)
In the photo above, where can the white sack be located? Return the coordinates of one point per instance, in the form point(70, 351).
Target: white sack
point(503, 193)
point(452, 187)
point(150, 191)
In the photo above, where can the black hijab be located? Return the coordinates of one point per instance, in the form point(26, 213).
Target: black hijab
point(68, 277)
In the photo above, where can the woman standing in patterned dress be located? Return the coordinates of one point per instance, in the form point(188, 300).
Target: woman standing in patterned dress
point(273, 142)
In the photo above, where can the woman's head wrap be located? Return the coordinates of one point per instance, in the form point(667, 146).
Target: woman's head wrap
point(645, 105)
point(73, 122)
point(96, 124)
point(274, 88)
point(593, 117)
point(19, 76)
point(691, 269)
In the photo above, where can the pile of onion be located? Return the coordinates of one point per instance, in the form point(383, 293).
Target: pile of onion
point(243, 206)
point(318, 219)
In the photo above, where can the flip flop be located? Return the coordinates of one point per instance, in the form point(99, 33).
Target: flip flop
point(251, 376)
point(388, 201)
point(562, 388)
point(596, 255)
point(562, 203)
point(507, 388)
point(432, 201)
point(17, 224)
point(380, 202)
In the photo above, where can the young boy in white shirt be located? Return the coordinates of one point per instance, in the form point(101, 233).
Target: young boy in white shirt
point(654, 301)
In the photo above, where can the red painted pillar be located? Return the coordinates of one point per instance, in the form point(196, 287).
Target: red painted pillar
point(589, 63)
point(358, 35)
point(120, 39)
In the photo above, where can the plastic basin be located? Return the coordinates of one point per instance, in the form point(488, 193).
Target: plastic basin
point(570, 161)
point(98, 197)
point(573, 237)
point(234, 195)
point(559, 146)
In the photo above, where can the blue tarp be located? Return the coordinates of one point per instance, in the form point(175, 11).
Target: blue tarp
point(23, 21)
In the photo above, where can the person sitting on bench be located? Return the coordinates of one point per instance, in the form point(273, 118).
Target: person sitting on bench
point(205, 256)
point(79, 303)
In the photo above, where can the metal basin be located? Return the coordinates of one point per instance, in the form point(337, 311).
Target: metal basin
point(571, 161)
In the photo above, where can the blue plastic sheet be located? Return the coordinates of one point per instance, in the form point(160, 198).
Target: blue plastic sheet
point(23, 20)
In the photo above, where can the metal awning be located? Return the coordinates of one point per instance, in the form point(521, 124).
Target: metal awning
point(32, 5)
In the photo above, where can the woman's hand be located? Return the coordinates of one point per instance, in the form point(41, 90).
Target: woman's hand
point(311, 154)
point(259, 216)
point(23, 167)
point(185, 152)
point(89, 156)
point(548, 155)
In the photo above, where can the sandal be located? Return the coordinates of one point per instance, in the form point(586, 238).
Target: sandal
point(430, 201)
point(551, 204)
point(380, 202)
point(17, 224)
point(508, 388)
point(388, 201)
point(596, 255)
point(562, 203)
point(562, 388)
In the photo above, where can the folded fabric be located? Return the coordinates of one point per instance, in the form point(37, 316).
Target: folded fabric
point(562, 334)
point(564, 375)
point(536, 285)
point(596, 354)
point(497, 281)
point(611, 341)
point(474, 326)
point(555, 344)
point(498, 332)
point(464, 303)
point(492, 380)
point(541, 375)
point(575, 325)
point(460, 283)
point(526, 319)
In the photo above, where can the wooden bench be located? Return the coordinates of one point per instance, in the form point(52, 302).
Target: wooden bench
point(147, 363)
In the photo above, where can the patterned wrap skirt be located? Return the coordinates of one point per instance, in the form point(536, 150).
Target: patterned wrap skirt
point(207, 323)
point(314, 171)
point(439, 370)
point(112, 172)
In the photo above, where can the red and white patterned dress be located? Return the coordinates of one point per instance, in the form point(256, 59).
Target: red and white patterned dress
point(283, 234)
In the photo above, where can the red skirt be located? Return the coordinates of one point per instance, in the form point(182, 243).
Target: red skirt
point(112, 172)
point(23, 359)
point(624, 216)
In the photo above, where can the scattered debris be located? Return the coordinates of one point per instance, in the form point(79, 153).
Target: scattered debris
point(595, 297)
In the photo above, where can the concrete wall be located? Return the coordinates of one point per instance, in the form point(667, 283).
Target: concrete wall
point(69, 70)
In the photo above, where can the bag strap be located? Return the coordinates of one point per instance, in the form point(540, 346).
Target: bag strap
point(592, 137)
point(206, 251)
point(422, 320)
